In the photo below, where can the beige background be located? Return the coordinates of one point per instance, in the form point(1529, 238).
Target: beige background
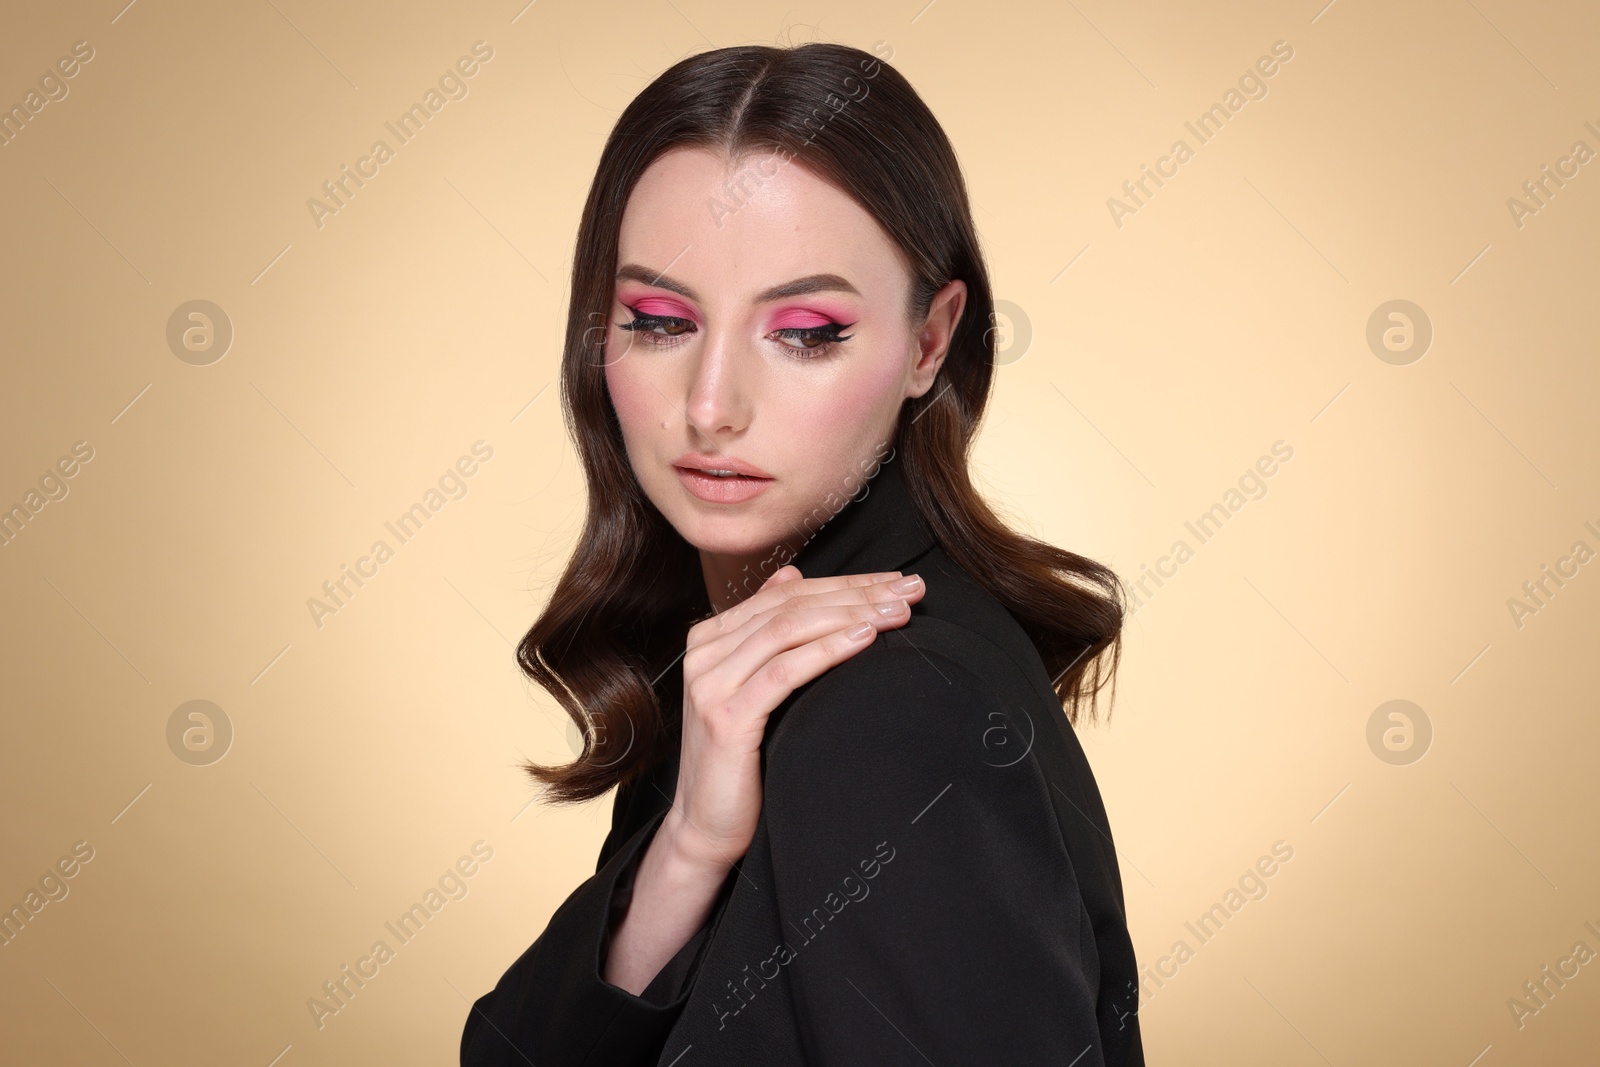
point(1167, 354)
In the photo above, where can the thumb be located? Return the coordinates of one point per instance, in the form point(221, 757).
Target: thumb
point(788, 572)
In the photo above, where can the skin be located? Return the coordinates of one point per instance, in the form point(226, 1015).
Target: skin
point(724, 381)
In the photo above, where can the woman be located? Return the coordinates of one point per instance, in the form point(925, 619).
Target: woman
point(828, 846)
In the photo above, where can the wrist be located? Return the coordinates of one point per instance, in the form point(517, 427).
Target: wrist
point(686, 855)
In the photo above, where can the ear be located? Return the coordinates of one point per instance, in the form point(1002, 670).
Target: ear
point(933, 340)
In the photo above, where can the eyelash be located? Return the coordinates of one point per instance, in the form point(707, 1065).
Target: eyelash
point(829, 334)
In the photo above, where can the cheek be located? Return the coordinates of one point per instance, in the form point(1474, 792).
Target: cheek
point(630, 391)
point(854, 404)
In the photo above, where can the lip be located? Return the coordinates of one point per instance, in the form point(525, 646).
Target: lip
point(690, 469)
point(705, 461)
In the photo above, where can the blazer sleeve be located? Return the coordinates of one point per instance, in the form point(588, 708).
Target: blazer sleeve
point(932, 908)
point(553, 1008)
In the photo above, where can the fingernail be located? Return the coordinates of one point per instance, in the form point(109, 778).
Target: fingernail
point(891, 608)
point(859, 632)
point(909, 584)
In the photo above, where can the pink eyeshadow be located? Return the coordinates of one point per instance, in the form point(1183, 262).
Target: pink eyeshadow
point(801, 319)
point(659, 305)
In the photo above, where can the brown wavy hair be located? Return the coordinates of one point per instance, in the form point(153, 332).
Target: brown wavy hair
point(609, 643)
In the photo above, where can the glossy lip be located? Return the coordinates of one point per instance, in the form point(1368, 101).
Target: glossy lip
point(691, 467)
point(700, 461)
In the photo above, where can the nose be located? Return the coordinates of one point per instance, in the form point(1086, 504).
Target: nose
point(718, 401)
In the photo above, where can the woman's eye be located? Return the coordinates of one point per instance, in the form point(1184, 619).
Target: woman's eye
point(648, 324)
point(814, 340)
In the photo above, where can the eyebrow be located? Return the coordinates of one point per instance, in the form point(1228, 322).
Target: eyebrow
point(811, 283)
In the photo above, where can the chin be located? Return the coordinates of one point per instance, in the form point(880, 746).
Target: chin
point(729, 536)
point(755, 529)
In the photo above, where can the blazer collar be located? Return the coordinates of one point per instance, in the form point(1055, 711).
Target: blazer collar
point(879, 531)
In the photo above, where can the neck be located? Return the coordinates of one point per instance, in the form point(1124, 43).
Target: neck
point(731, 578)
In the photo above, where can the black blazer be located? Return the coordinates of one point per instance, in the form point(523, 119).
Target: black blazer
point(932, 879)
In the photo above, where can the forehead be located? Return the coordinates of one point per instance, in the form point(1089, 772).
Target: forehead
point(735, 227)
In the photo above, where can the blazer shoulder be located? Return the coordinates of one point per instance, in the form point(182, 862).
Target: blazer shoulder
point(920, 700)
point(906, 724)
point(958, 679)
point(893, 699)
point(961, 618)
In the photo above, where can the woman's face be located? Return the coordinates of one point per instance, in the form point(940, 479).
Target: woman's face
point(769, 335)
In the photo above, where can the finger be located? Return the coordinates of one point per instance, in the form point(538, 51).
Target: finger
point(712, 641)
point(762, 640)
point(772, 594)
point(788, 671)
point(783, 574)
point(873, 593)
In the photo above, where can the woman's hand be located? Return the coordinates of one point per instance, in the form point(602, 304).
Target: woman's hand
point(738, 666)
